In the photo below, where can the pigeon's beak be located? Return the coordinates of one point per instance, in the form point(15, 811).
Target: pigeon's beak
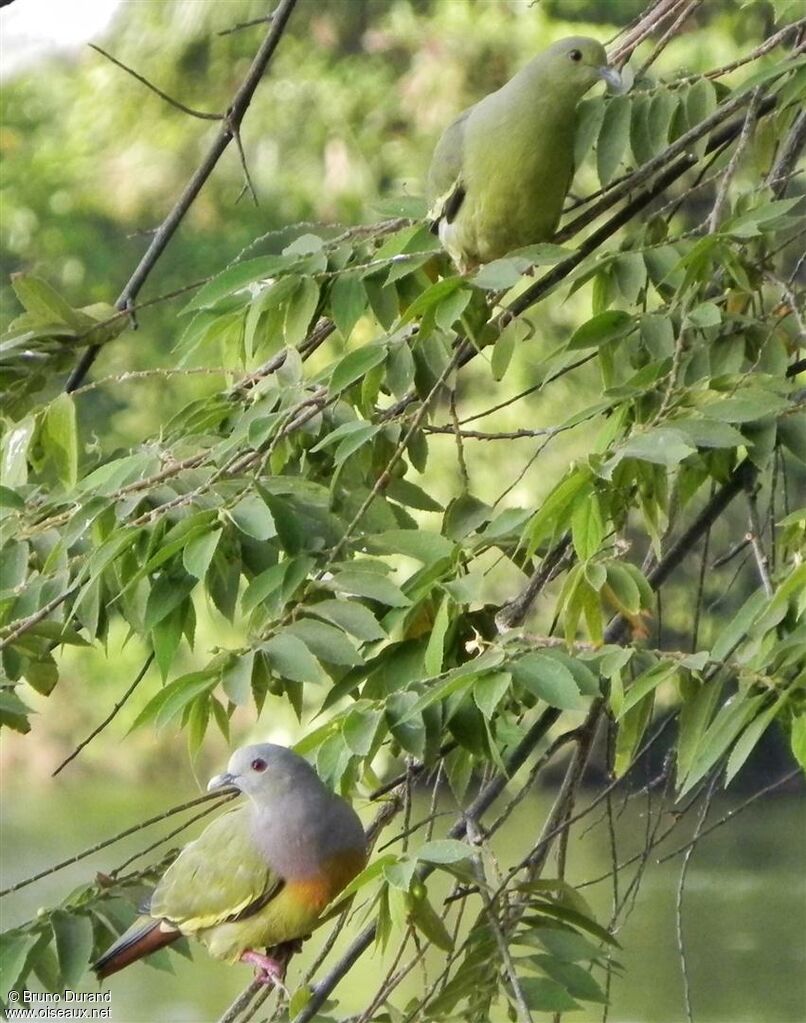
point(613, 79)
point(222, 781)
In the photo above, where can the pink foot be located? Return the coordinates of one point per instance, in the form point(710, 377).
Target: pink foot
point(268, 970)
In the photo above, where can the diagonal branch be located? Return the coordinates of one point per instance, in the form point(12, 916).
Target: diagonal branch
point(229, 128)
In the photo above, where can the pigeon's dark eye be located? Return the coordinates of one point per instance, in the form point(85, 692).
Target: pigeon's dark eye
point(575, 55)
point(258, 764)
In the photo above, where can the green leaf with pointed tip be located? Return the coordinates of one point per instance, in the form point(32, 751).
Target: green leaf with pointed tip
point(355, 365)
point(290, 658)
point(548, 679)
point(351, 616)
point(613, 137)
point(73, 934)
point(348, 302)
point(361, 583)
point(604, 327)
point(59, 438)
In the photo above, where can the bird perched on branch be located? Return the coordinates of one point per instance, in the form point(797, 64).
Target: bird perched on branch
point(260, 875)
point(501, 170)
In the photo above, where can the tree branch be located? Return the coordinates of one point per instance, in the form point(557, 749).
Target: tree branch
point(227, 132)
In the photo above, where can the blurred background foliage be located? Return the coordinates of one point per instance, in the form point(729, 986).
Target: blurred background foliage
point(339, 132)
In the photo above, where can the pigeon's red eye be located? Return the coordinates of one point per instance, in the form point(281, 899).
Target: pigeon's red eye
point(575, 55)
point(258, 764)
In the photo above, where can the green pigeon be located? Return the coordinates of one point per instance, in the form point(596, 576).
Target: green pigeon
point(501, 170)
point(260, 875)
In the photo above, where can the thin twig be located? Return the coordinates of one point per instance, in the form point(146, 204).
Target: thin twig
point(754, 538)
point(224, 797)
point(730, 170)
point(679, 900)
point(791, 776)
point(138, 678)
point(150, 85)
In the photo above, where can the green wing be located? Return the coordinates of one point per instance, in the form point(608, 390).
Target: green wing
point(445, 174)
point(219, 877)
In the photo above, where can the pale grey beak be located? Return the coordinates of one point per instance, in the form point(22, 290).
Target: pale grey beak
point(613, 79)
point(222, 781)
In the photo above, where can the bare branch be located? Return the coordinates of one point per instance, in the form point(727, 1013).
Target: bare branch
point(138, 678)
point(150, 85)
point(166, 230)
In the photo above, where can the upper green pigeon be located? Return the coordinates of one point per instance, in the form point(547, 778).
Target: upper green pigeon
point(501, 170)
point(258, 876)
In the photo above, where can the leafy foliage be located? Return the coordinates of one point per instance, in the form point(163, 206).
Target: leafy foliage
point(299, 501)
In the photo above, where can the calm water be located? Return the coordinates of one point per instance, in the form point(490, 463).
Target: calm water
point(744, 910)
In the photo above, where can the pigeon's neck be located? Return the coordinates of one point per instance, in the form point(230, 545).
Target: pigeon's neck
point(291, 839)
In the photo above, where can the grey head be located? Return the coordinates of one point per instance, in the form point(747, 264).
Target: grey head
point(265, 771)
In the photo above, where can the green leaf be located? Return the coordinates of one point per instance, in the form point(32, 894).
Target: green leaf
point(360, 728)
point(174, 697)
point(427, 920)
point(590, 113)
point(748, 405)
point(750, 738)
point(798, 739)
point(59, 438)
point(13, 712)
point(646, 683)
point(354, 366)
point(489, 690)
point(368, 584)
point(166, 593)
point(199, 552)
point(400, 369)
point(661, 446)
point(549, 680)
point(406, 722)
point(235, 279)
point(414, 543)
point(736, 630)
point(542, 994)
point(291, 658)
point(411, 496)
point(263, 586)
point(236, 679)
point(351, 616)
point(573, 917)
point(708, 433)
point(587, 527)
point(509, 338)
point(252, 516)
point(575, 979)
point(731, 719)
point(299, 310)
point(607, 326)
point(630, 273)
point(432, 296)
point(444, 850)
point(41, 299)
point(73, 934)
point(348, 301)
point(554, 508)
point(500, 274)
point(792, 434)
point(435, 650)
point(613, 137)
point(14, 949)
point(659, 120)
point(325, 642)
point(706, 314)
